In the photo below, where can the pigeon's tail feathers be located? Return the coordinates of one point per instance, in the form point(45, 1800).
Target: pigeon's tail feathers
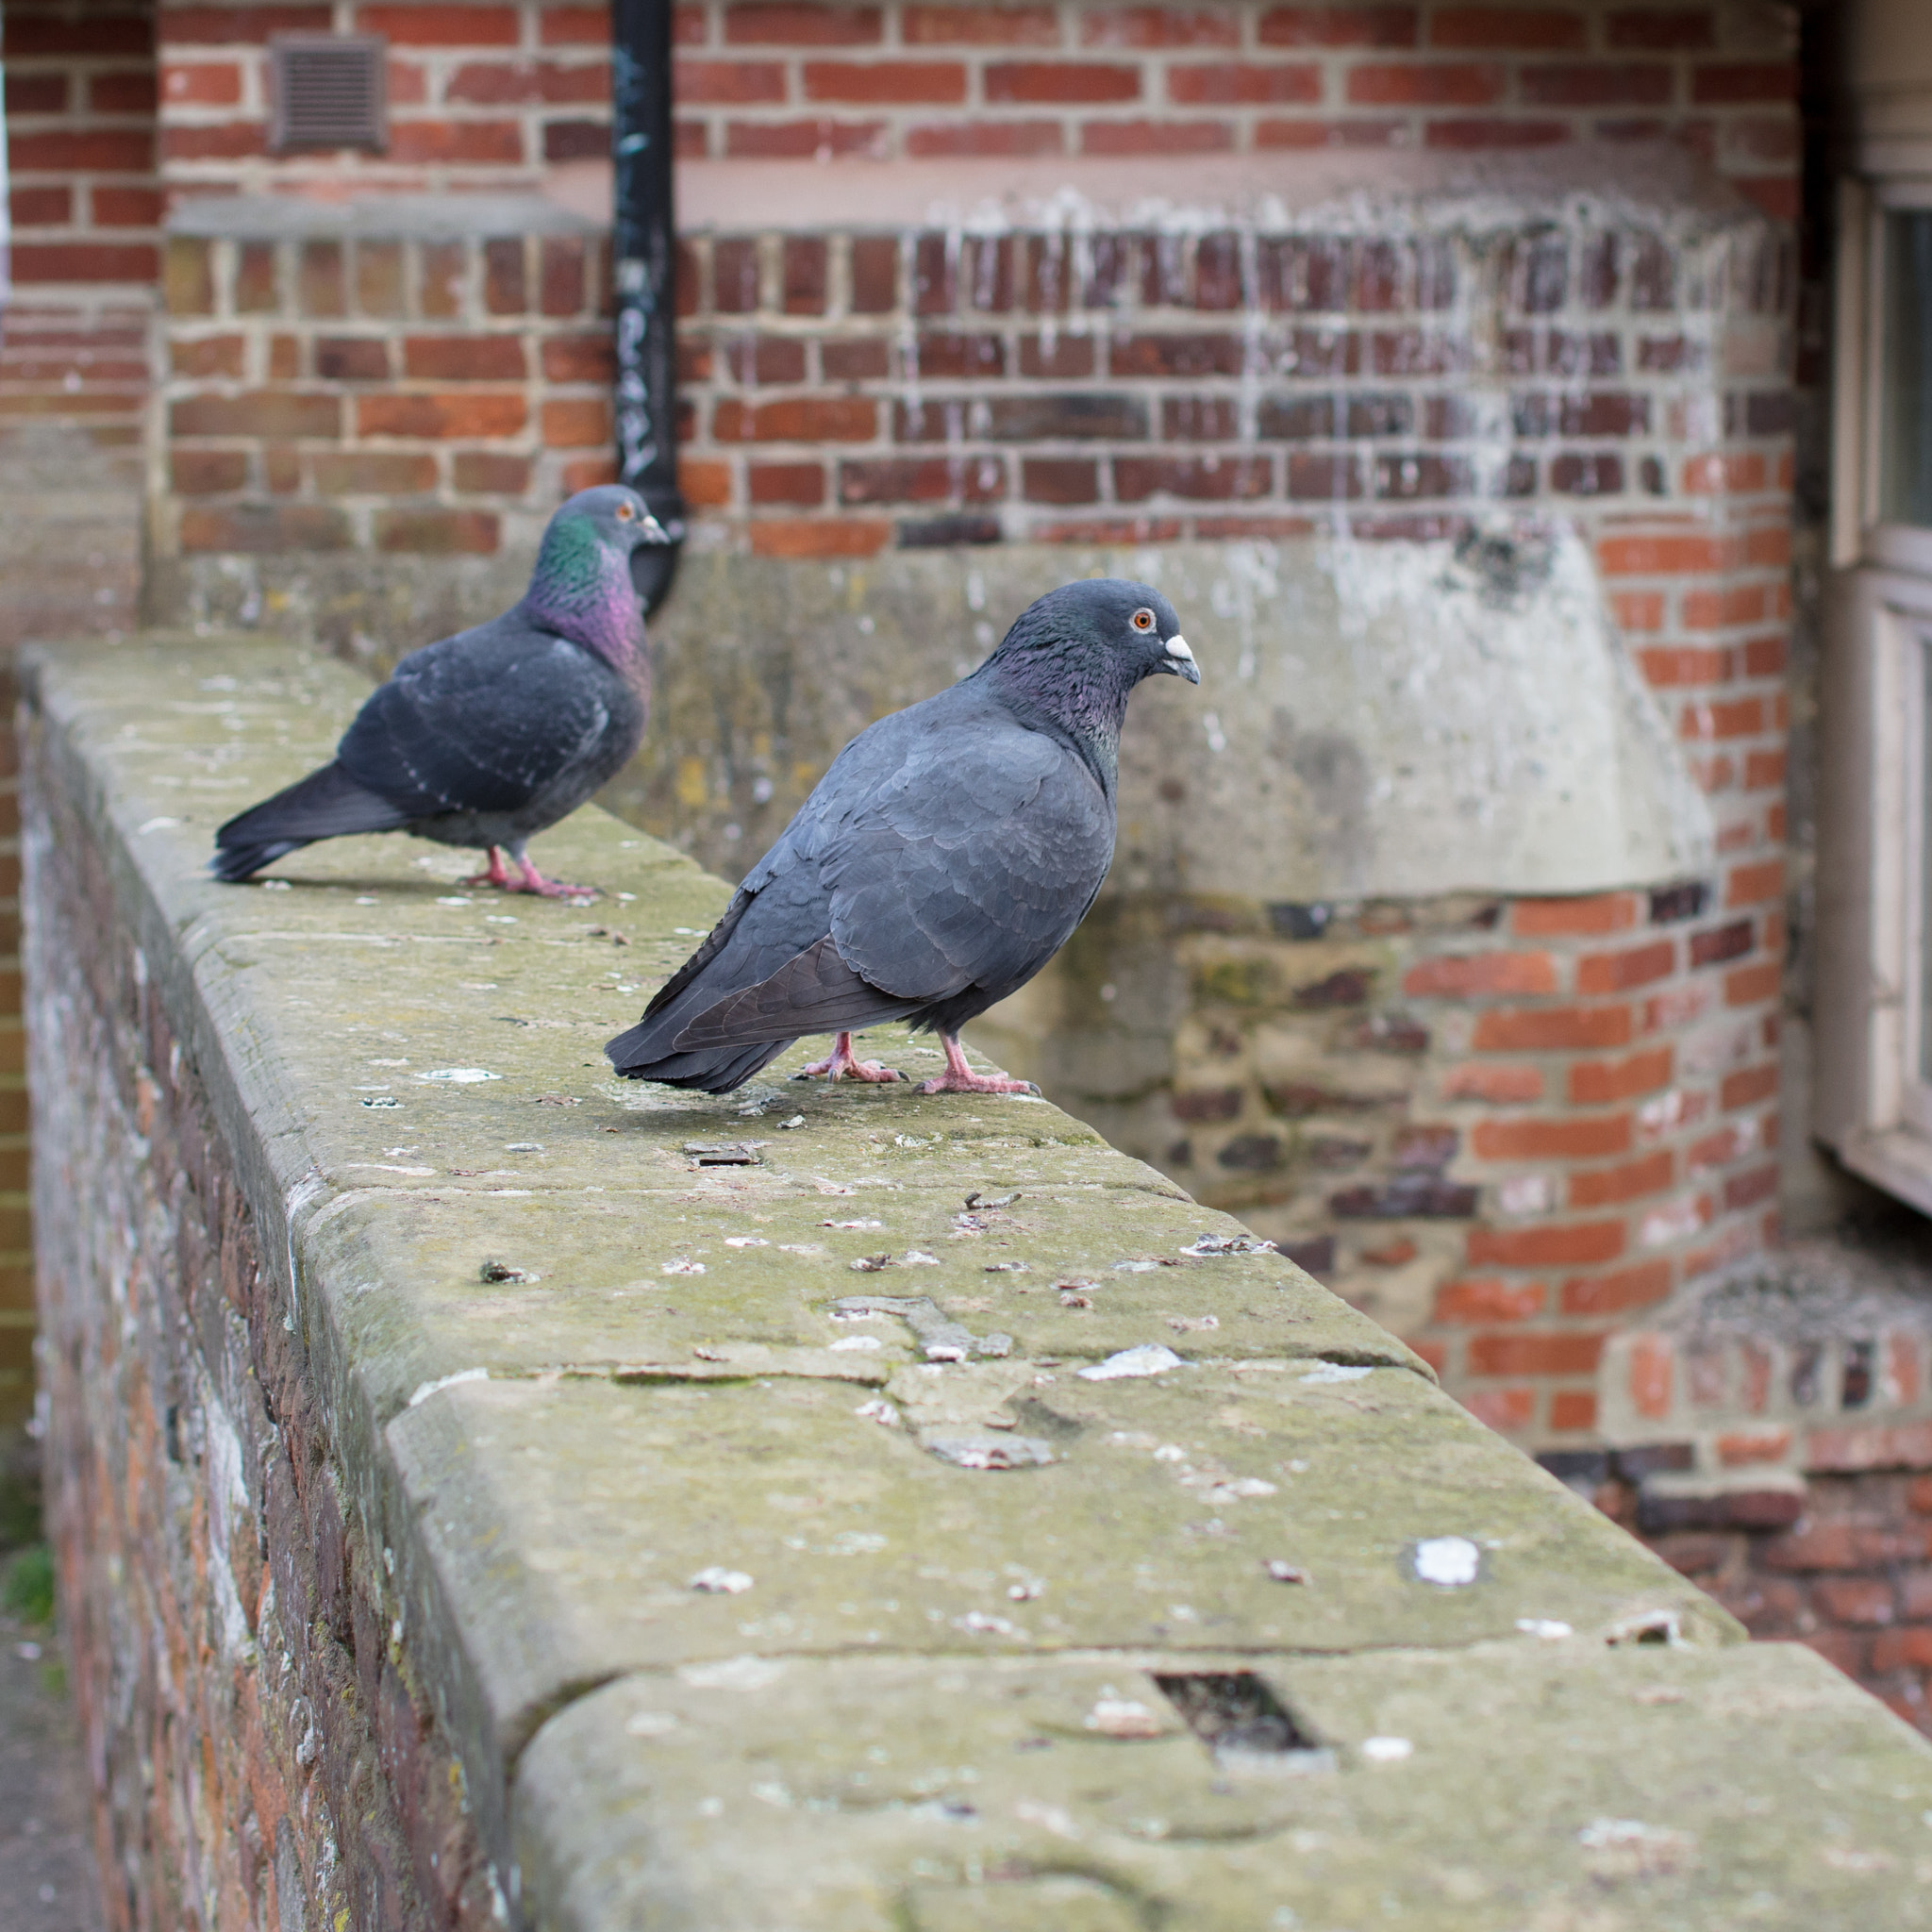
point(719, 1040)
point(720, 1071)
point(328, 804)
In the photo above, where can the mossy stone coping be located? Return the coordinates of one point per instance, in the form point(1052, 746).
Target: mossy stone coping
point(772, 1552)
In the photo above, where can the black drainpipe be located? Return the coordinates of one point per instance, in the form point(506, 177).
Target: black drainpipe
point(644, 249)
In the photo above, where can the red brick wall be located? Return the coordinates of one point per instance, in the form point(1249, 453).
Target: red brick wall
point(390, 397)
point(73, 388)
point(482, 95)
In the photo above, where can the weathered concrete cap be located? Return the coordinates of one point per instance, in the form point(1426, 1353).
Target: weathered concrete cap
point(966, 1527)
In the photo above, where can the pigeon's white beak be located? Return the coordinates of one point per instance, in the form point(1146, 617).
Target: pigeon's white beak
point(651, 531)
point(1180, 660)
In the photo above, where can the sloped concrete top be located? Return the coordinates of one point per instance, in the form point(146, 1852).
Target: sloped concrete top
point(790, 1542)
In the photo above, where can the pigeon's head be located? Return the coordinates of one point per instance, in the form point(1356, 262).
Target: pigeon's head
point(1103, 629)
point(613, 515)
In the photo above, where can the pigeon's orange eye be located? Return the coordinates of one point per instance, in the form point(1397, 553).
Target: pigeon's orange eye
point(1144, 619)
point(626, 514)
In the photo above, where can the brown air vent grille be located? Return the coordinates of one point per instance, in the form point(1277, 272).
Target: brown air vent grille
point(328, 91)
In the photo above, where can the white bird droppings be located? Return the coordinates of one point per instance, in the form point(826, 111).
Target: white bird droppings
point(1124, 1717)
point(1149, 1359)
point(856, 1343)
point(718, 1581)
point(1550, 1627)
point(425, 1390)
point(1387, 1750)
point(459, 1076)
point(1334, 1371)
point(1449, 1562)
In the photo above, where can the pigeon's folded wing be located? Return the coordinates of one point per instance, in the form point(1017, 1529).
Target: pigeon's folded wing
point(970, 866)
point(481, 722)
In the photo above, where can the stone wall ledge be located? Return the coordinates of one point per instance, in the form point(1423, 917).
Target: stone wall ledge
point(756, 1538)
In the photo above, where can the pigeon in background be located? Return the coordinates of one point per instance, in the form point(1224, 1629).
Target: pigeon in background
point(490, 736)
point(936, 868)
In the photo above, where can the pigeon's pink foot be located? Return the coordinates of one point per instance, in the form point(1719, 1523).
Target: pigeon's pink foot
point(841, 1065)
point(960, 1079)
point(495, 877)
point(534, 881)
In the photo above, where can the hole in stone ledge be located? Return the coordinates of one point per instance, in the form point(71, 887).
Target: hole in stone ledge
point(1239, 1717)
point(1855, 1387)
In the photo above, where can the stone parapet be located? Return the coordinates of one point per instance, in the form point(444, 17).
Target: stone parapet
point(486, 1491)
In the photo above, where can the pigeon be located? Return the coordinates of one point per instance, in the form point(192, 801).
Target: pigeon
point(486, 738)
point(937, 865)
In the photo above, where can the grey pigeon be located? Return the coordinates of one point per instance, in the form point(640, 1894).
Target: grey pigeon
point(490, 736)
point(936, 868)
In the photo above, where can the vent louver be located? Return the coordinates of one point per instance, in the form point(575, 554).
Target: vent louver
point(328, 91)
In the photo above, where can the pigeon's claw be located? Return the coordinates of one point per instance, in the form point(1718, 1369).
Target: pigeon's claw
point(534, 881)
point(840, 1064)
point(960, 1079)
point(495, 877)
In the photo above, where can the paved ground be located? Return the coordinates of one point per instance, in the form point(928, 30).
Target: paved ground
point(47, 1880)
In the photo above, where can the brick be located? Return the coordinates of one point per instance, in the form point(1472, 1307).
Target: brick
point(1558, 1138)
point(1553, 1029)
point(1662, 28)
point(1242, 83)
point(1533, 1355)
point(505, 286)
point(1577, 1245)
point(500, 141)
point(1515, 29)
point(947, 139)
point(195, 84)
point(257, 413)
point(706, 485)
point(1501, 1408)
point(578, 359)
point(578, 423)
point(496, 83)
point(1896, 1650)
point(1597, 1083)
point(1605, 913)
point(1618, 1292)
point(1686, 665)
point(1853, 1599)
point(437, 531)
point(797, 536)
point(189, 287)
point(874, 276)
point(1752, 885)
point(890, 83)
point(1338, 27)
point(801, 23)
point(796, 419)
point(730, 83)
point(1501, 1085)
point(352, 358)
point(373, 473)
point(80, 151)
point(1719, 944)
point(438, 415)
point(1748, 985)
point(42, 208)
point(1447, 83)
point(441, 25)
point(1467, 976)
point(1845, 1451)
point(35, 93)
point(1605, 1187)
point(1050, 83)
point(1598, 973)
point(1572, 1411)
point(922, 26)
point(802, 141)
point(480, 472)
point(207, 472)
point(922, 479)
point(1207, 478)
point(1653, 1372)
point(1156, 137)
point(207, 356)
point(1059, 479)
point(1357, 131)
point(1726, 83)
point(264, 530)
point(1487, 1300)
